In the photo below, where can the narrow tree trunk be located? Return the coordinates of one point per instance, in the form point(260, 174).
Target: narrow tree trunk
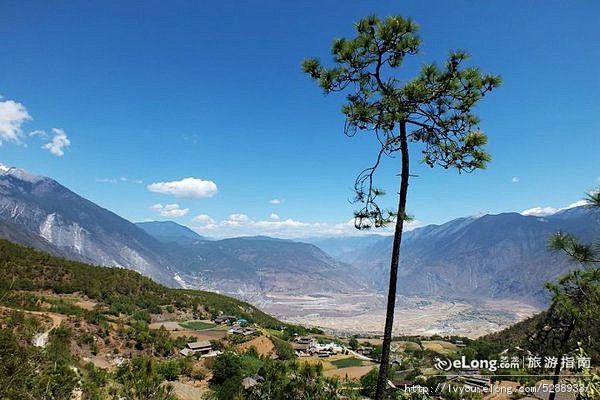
point(556, 377)
point(391, 302)
point(555, 380)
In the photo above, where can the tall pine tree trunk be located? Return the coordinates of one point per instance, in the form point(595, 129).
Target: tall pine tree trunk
point(556, 377)
point(391, 302)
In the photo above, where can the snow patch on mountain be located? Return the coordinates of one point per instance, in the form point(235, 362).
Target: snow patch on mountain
point(20, 174)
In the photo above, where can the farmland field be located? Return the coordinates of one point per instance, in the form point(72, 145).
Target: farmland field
point(347, 362)
point(197, 325)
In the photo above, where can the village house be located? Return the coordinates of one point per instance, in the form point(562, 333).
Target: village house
point(305, 346)
point(331, 348)
point(302, 350)
point(225, 319)
point(308, 340)
point(364, 350)
point(239, 330)
point(202, 348)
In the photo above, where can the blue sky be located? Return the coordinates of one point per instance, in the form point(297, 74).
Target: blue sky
point(161, 91)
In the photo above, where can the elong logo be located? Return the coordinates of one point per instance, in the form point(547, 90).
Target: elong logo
point(445, 364)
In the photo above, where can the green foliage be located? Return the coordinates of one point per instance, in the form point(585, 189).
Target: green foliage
point(282, 380)
point(573, 319)
point(239, 339)
point(39, 373)
point(296, 381)
point(125, 292)
point(141, 380)
point(172, 369)
point(228, 373)
point(574, 315)
point(586, 253)
point(369, 383)
point(588, 379)
point(376, 353)
point(94, 381)
point(436, 106)
point(353, 343)
point(283, 349)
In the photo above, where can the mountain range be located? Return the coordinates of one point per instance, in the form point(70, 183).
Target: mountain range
point(488, 257)
point(39, 212)
point(504, 256)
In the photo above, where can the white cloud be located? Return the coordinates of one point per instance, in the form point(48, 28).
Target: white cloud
point(123, 179)
point(515, 179)
point(276, 201)
point(545, 211)
point(187, 187)
point(274, 217)
point(39, 133)
point(106, 180)
point(243, 225)
point(58, 143)
point(12, 117)
point(540, 211)
point(170, 210)
point(203, 219)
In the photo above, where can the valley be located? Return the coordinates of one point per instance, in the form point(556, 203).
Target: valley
point(365, 314)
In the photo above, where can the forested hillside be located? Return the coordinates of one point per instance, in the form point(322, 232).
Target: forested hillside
point(122, 290)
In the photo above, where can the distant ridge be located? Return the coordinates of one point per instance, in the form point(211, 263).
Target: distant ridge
point(169, 231)
point(502, 256)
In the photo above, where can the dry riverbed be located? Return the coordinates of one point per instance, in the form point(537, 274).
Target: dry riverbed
point(365, 314)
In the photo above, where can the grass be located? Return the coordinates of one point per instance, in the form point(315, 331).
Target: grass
point(197, 325)
point(347, 362)
point(440, 346)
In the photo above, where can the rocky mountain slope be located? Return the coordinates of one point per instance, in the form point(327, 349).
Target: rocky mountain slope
point(247, 266)
point(488, 257)
point(39, 212)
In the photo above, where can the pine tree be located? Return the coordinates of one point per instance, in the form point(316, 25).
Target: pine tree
point(573, 319)
point(433, 110)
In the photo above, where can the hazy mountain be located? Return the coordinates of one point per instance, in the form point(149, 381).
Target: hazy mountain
point(493, 256)
point(169, 231)
point(39, 212)
point(344, 248)
point(248, 266)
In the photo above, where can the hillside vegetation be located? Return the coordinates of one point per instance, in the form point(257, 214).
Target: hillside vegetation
point(123, 291)
point(72, 330)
